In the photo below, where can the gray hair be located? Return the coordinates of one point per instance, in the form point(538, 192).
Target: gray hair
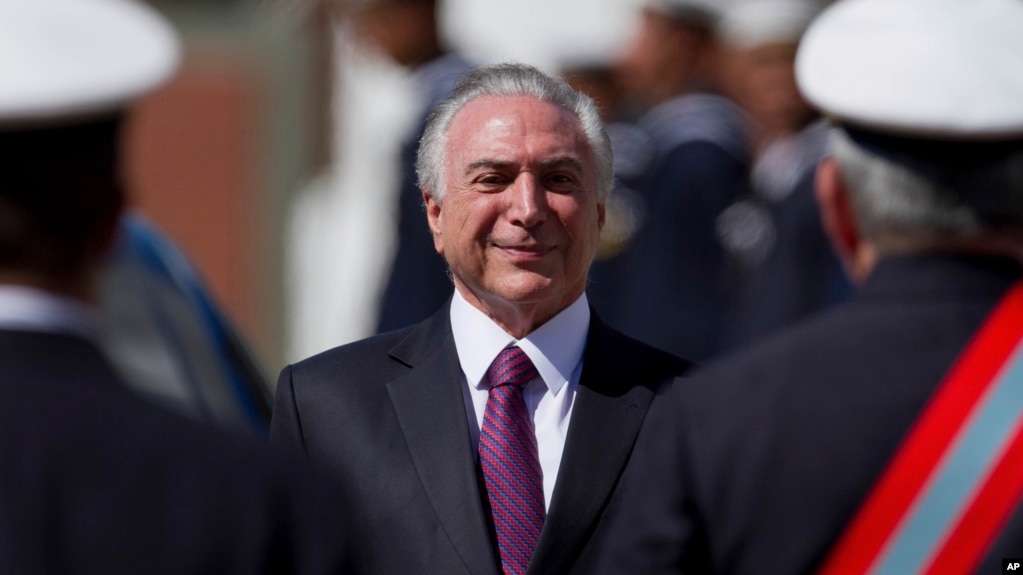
point(916, 198)
point(510, 80)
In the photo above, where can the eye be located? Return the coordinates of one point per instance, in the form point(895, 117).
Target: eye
point(562, 181)
point(491, 181)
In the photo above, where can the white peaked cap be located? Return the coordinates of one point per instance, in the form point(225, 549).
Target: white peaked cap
point(67, 58)
point(942, 69)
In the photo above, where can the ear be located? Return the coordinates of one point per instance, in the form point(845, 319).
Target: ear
point(837, 216)
point(601, 215)
point(433, 219)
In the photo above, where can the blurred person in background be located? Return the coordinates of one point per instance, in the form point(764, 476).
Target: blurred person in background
point(757, 42)
point(597, 77)
point(678, 284)
point(785, 267)
point(408, 32)
point(884, 435)
point(164, 331)
point(94, 479)
point(390, 67)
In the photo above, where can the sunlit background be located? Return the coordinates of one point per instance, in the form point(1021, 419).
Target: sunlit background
point(281, 128)
point(276, 102)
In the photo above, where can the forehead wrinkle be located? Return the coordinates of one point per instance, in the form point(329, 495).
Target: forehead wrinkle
point(512, 138)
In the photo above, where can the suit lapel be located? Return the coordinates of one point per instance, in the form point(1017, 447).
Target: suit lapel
point(430, 409)
point(609, 410)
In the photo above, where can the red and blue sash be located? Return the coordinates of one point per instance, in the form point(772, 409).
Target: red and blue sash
point(958, 475)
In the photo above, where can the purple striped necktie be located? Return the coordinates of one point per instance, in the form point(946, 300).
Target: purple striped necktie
point(511, 466)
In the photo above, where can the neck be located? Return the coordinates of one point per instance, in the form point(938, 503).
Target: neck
point(517, 319)
point(77, 287)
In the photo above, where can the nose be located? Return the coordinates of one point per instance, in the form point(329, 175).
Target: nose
point(528, 201)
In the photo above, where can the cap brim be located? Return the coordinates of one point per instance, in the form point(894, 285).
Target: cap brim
point(66, 58)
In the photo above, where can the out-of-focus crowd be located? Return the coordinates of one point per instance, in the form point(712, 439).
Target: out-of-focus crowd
point(712, 235)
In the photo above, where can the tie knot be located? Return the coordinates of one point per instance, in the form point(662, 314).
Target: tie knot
point(513, 367)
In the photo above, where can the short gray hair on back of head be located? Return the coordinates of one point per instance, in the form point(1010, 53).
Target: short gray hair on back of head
point(918, 199)
point(510, 80)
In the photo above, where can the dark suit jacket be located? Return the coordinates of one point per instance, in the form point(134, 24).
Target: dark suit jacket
point(388, 413)
point(757, 464)
point(95, 480)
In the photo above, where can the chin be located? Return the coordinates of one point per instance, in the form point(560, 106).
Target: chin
point(532, 289)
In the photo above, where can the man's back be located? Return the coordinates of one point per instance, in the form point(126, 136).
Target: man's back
point(782, 443)
point(96, 480)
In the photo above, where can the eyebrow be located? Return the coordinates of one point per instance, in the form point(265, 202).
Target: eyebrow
point(486, 165)
point(562, 162)
point(559, 162)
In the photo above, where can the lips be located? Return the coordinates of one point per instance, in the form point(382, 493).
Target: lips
point(525, 252)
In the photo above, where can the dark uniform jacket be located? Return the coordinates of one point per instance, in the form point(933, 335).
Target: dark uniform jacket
point(678, 288)
point(95, 480)
point(757, 464)
point(388, 413)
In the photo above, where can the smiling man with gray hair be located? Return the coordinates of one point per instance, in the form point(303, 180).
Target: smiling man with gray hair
point(490, 438)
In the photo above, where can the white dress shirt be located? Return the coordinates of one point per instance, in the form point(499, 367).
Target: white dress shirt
point(555, 348)
point(30, 309)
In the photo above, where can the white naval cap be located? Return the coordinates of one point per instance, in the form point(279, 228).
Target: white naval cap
point(752, 23)
point(937, 69)
point(69, 58)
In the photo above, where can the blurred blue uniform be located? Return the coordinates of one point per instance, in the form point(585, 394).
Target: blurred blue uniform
point(678, 285)
point(418, 283)
point(626, 213)
point(788, 268)
point(167, 337)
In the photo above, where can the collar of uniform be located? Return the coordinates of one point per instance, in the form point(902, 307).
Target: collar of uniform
point(31, 309)
point(929, 276)
point(555, 348)
point(697, 117)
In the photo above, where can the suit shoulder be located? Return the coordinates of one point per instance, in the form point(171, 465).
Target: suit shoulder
point(355, 354)
point(645, 359)
point(648, 352)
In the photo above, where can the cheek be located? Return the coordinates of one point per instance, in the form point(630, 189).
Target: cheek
point(466, 224)
point(583, 223)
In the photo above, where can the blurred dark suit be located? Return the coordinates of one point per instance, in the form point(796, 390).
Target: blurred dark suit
point(95, 480)
point(756, 464)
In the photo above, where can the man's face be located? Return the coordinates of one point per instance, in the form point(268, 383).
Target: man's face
point(520, 220)
point(762, 80)
point(401, 31)
point(661, 59)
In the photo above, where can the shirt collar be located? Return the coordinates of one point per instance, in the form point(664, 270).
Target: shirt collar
point(32, 309)
point(555, 348)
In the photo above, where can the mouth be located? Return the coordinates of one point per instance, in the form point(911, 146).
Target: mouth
point(525, 252)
